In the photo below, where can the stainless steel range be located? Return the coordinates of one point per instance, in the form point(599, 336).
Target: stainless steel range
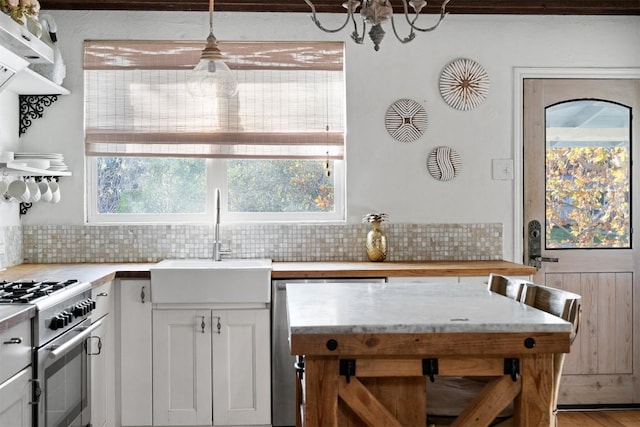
point(61, 361)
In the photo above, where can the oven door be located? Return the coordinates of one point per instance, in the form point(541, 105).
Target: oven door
point(64, 375)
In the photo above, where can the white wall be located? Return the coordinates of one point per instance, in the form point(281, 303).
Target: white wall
point(9, 141)
point(383, 175)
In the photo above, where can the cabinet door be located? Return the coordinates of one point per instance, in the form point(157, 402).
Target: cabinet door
point(102, 352)
point(182, 367)
point(15, 395)
point(100, 348)
point(241, 367)
point(135, 353)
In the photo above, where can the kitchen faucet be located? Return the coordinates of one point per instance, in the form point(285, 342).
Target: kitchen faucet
point(217, 249)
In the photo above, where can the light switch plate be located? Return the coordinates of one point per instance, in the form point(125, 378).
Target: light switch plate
point(502, 169)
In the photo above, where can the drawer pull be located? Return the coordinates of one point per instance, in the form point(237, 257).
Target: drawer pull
point(103, 294)
point(17, 340)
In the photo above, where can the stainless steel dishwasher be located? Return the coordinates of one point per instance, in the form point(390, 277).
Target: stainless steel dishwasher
point(283, 390)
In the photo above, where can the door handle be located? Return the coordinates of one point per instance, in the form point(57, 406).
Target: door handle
point(546, 259)
point(534, 239)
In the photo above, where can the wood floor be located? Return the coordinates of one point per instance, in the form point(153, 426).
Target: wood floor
point(599, 419)
point(616, 418)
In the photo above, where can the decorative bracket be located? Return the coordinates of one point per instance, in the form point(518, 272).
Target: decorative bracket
point(512, 367)
point(24, 208)
point(430, 368)
point(348, 368)
point(32, 107)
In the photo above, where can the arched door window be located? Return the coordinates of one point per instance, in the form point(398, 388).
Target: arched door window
point(588, 175)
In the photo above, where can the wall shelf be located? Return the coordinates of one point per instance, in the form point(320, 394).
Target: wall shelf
point(11, 169)
point(28, 82)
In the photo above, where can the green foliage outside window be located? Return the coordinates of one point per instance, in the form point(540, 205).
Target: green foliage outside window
point(279, 186)
point(140, 185)
point(137, 185)
point(588, 197)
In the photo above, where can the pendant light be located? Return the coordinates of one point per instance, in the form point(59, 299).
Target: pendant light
point(211, 77)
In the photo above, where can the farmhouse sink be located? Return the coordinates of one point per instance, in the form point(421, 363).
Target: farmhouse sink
point(193, 281)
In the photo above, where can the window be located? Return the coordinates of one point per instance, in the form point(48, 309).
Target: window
point(276, 150)
point(588, 175)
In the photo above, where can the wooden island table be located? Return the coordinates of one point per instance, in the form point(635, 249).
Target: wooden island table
point(369, 347)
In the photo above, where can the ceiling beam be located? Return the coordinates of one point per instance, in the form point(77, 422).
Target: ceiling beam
point(500, 7)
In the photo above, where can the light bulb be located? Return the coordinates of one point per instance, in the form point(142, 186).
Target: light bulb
point(212, 78)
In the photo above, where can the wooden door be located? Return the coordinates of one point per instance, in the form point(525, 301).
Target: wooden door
point(579, 185)
point(182, 367)
point(241, 367)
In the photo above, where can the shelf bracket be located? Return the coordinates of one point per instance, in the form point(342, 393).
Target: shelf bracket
point(430, 368)
point(32, 107)
point(512, 367)
point(24, 208)
point(347, 368)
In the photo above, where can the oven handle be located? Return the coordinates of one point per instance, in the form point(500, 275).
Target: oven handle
point(59, 351)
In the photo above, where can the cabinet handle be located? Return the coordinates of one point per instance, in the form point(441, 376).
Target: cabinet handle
point(142, 295)
point(219, 326)
point(103, 294)
point(87, 345)
point(202, 324)
point(16, 340)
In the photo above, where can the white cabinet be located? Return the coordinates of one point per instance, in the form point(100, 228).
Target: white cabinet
point(182, 367)
point(15, 375)
point(102, 353)
point(241, 367)
point(135, 352)
point(211, 367)
point(15, 395)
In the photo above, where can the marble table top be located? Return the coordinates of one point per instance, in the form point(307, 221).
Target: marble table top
point(333, 308)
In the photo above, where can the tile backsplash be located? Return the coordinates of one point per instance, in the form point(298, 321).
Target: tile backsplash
point(280, 242)
point(10, 246)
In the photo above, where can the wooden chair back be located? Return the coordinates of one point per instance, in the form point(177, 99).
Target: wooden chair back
point(511, 288)
point(563, 304)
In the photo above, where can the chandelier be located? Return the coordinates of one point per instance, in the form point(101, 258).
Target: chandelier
point(211, 77)
point(376, 13)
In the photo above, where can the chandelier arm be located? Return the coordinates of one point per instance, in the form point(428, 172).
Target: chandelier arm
point(443, 14)
point(411, 35)
point(319, 25)
point(355, 36)
point(402, 40)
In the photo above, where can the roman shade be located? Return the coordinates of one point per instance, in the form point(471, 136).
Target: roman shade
point(290, 103)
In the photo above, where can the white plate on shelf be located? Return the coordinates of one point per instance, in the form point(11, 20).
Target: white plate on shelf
point(49, 156)
point(37, 163)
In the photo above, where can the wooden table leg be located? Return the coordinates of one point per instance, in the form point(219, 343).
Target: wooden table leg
point(533, 407)
point(321, 388)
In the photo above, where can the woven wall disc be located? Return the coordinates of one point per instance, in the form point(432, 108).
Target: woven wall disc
point(444, 163)
point(406, 120)
point(464, 84)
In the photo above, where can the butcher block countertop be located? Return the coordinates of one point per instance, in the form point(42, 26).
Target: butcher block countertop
point(100, 273)
point(312, 270)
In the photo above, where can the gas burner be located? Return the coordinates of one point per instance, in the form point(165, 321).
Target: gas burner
point(27, 291)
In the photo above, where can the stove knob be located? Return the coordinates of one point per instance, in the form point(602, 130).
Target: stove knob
point(77, 311)
point(57, 322)
point(68, 315)
point(93, 304)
